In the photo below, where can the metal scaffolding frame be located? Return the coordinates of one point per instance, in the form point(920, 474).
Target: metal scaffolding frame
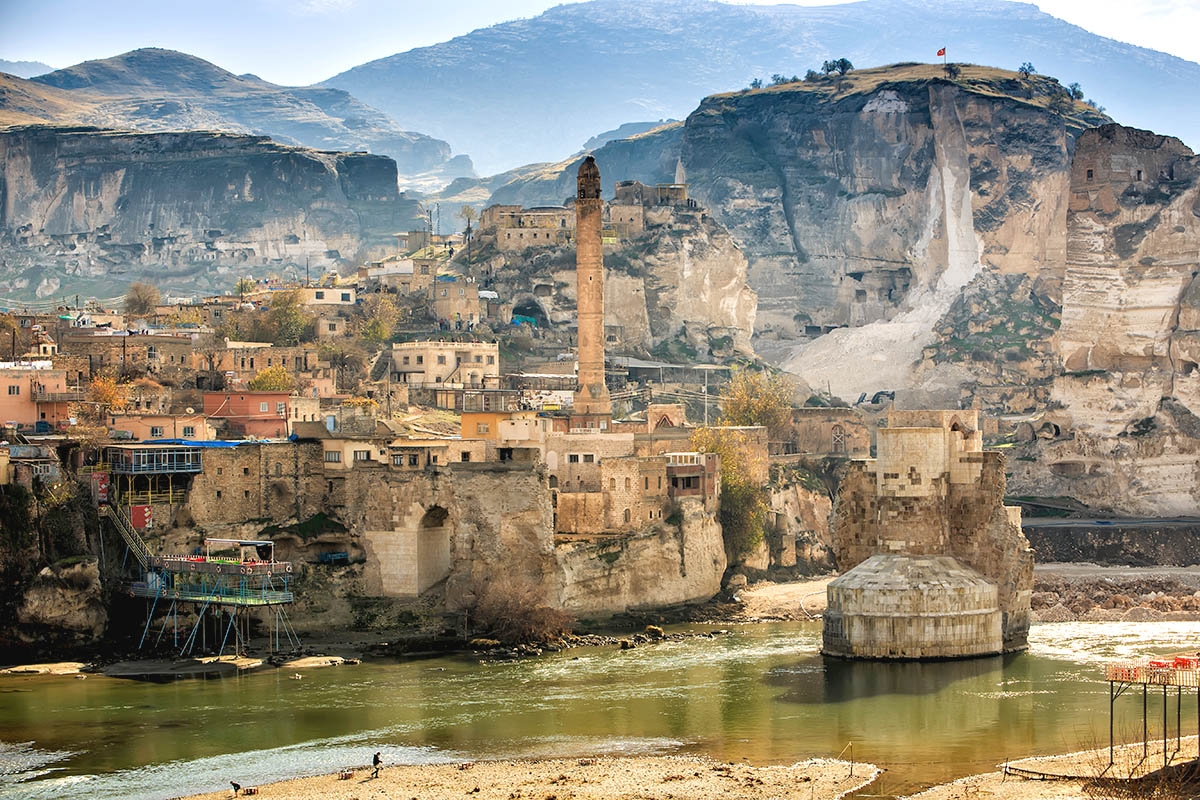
point(1180, 672)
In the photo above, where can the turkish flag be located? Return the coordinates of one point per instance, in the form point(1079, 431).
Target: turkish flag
point(942, 52)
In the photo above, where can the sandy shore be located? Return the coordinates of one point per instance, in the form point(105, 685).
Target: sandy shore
point(640, 778)
point(1069, 771)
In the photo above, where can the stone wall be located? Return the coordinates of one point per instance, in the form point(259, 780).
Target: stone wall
point(932, 492)
point(660, 566)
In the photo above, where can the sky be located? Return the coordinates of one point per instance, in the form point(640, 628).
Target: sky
point(298, 42)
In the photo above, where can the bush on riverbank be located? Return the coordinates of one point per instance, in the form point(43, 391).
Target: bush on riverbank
point(515, 614)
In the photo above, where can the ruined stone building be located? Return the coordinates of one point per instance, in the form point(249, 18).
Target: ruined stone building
point(934, 564)
point(442, 363)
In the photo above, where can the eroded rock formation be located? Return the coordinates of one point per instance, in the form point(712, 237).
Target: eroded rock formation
point(1127, 437)
point(680, 288)
point(91, 209)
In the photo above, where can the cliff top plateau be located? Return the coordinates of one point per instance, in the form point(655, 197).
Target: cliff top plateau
point(641, 59)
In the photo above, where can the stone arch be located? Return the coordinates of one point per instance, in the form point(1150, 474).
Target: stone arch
point(433, 548)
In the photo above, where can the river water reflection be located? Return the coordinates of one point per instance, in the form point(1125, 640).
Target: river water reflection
point(762, 693)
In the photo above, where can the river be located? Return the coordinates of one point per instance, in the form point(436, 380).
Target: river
point(761, 692)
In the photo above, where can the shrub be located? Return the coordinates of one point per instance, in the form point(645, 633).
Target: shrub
point(514, 613)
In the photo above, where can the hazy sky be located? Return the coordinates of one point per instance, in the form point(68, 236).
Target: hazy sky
point(298, 42)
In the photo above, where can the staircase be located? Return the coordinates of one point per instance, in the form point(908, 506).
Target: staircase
point(136, 544)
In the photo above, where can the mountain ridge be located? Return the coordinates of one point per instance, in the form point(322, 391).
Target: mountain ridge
point(551, 81)
point(154, 89)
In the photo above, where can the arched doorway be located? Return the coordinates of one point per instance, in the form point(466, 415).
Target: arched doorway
point(433, 548)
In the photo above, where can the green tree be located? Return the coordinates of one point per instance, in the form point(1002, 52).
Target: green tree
point(287, 321)
point(745, 502)
point(952, 71)
point(759, 398)
point(1026, 69)
point(1076, 91)
point(382, 315)
point(756, 83)
point(244, 286)
point(141, 299)
point(272, 379)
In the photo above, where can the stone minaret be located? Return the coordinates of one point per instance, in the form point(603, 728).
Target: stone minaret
point(591, 395)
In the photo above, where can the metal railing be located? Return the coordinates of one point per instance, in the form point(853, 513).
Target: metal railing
point(135, 543)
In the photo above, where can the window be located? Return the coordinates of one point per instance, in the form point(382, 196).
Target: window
point(263, 407)
point(320, 295)
point(245, 470)
point(660, 483)
point(345, 297)
point(441, 360)
point(589, 458)
point(478, 359)
point(573, 458)
point(362, 455)
point(627, 516)
point(491, 359)
point(420, 359)
point(405, 360)
point(433, 459)
point(612, 484)
point(14, 390)
point(281, 408)
point(398, 460)
point(838, 439)
point(333, 457)
point(1089, 174)
point(218, 494)
point(278, 469)
point(156, 431)
point(246, 493)
point(220, 470)
point(466, 456)
point(1139, 174)
point(333, 327)
point(482, 427)
point(414, 460)
point(646, 484)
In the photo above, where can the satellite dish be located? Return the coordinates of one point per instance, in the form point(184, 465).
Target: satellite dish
point(189, 410)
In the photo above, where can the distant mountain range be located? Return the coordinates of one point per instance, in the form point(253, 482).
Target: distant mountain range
point(535, 89)
point(24, 69)
point(163, 90)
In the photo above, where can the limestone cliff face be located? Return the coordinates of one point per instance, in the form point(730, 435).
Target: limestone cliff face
point(679, 289)
point(64, 607)
point(657, 568)
point(83, 207)
point(864, 208)
point(1128, 435)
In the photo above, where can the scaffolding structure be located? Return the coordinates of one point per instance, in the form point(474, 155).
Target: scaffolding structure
point(1179, 672)
point(232, 578)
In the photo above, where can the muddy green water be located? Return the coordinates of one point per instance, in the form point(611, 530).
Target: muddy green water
point(761, 693)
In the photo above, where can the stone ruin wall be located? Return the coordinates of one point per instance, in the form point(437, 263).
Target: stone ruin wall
point(937, 506)
point(473, 524)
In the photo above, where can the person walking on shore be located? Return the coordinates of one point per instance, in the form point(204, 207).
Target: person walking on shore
point(376, 762)
point(237, 787)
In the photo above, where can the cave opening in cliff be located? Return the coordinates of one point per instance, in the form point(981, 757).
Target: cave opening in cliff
point(532, 309)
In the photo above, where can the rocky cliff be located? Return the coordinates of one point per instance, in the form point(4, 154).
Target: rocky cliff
point(549, 82)
point(90, 209)
point(162, 90)
point(677, 290)
point(1124, 434)
point(867, 204)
